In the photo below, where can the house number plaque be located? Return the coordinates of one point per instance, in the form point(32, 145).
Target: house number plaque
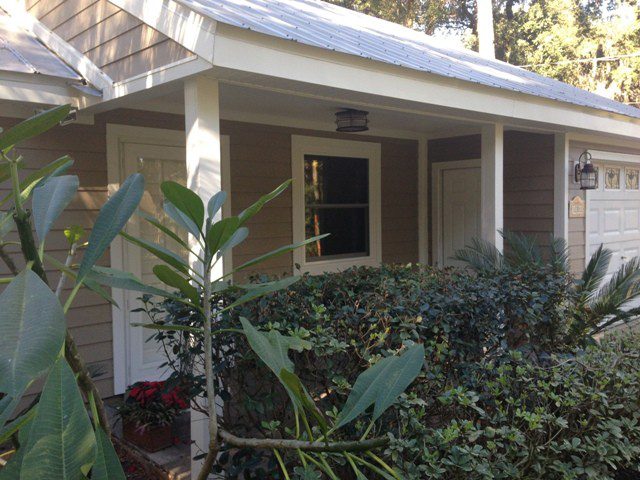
point(577, 207)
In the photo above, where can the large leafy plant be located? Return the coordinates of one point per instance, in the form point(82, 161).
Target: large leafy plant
point(55, 437)
point(314, 439)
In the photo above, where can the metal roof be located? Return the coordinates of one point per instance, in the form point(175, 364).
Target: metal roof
point(328, 26)
point(22, 52)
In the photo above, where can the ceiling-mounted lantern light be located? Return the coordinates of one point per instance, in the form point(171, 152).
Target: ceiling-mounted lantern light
point(585, 172)
point(351, 120)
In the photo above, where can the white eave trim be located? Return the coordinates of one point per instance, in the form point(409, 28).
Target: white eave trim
point(180, 69)
point(261, 54)
point(17, 87)
point(614, 157)
point(193, 31)
point(60, 47)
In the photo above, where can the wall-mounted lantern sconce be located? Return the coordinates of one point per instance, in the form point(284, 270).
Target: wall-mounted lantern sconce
point(585, 172)
point(350, 120)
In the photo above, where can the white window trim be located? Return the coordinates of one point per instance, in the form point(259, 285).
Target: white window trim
point(303, 145)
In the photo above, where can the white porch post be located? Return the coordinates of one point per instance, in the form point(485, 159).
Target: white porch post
point(204, 176)
point(423, 200)
point(491, 184)
point(561, 186)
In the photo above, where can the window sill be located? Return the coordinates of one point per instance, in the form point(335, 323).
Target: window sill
point(327, 266)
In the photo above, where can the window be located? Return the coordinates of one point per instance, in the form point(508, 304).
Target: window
point(632, 175)
point(336, 189)
point(612, 178)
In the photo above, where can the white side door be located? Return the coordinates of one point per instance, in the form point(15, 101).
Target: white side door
point(457, 216)
point(143, 357)
point(157, 163)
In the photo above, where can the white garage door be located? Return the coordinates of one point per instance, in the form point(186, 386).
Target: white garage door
point(614, 212)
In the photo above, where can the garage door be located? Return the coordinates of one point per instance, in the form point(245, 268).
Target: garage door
point(614, 212)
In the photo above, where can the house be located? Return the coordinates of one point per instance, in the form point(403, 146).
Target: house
point(243, 94)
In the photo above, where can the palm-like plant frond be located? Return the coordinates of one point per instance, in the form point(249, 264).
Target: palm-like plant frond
point(522, 249)
point(593, 275)
point(623, 287)
point(480, 255)
point(559, 257)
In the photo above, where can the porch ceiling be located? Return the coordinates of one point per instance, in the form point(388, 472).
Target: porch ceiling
point(242, 103)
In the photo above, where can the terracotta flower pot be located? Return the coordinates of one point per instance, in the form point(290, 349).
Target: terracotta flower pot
point(150, 438)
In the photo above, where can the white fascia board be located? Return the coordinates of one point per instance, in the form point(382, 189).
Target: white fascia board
point(614, 157)
point(167, 73)
point(193, 31)
point(60, 47)
point(264, 55)
point(24, 88)
point(590, 139)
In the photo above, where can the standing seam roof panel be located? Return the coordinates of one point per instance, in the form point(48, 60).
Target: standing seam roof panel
point(330, 27)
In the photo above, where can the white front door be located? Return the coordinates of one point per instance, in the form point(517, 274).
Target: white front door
point(614, 213)
point(157, 163)
point(458, 212)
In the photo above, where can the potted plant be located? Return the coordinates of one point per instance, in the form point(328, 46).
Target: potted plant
point(148, 413)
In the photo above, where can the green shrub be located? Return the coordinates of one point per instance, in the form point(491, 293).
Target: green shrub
point(575, 417)
point(358, 316)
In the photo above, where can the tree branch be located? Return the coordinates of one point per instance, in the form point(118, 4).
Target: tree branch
point(8, 261)
point(284, 444)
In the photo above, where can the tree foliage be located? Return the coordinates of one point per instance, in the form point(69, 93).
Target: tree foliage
point(591, 44)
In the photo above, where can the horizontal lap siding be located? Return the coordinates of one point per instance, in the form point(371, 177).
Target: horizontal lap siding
point(261, 160)
point(528, 177)
point(114, 40)
point(528, 184)
point(399, 201)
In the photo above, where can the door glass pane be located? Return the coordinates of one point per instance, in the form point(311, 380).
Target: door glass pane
point(336, 202)
point(155, 172)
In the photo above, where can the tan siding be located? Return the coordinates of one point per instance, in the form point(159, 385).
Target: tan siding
point(261, 159)
point(399, 202)
point(528, 177)
point(115, 41)
point(528, 184)
point(454, 148)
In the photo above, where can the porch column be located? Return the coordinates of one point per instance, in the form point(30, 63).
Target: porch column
point(491, 184)
point(561, 186)
point(423, 200)
point(204, 176)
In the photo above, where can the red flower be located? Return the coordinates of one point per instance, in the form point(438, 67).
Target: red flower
point(167, 399)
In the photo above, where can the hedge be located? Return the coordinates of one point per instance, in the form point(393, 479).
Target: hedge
point(504, 392)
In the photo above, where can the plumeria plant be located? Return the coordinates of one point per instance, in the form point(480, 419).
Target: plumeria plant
point(55, 437)
point(317, 439)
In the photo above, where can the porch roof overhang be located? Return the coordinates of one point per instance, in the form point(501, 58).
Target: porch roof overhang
point(305, 66)
point(31, 72)
point(289, 54)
